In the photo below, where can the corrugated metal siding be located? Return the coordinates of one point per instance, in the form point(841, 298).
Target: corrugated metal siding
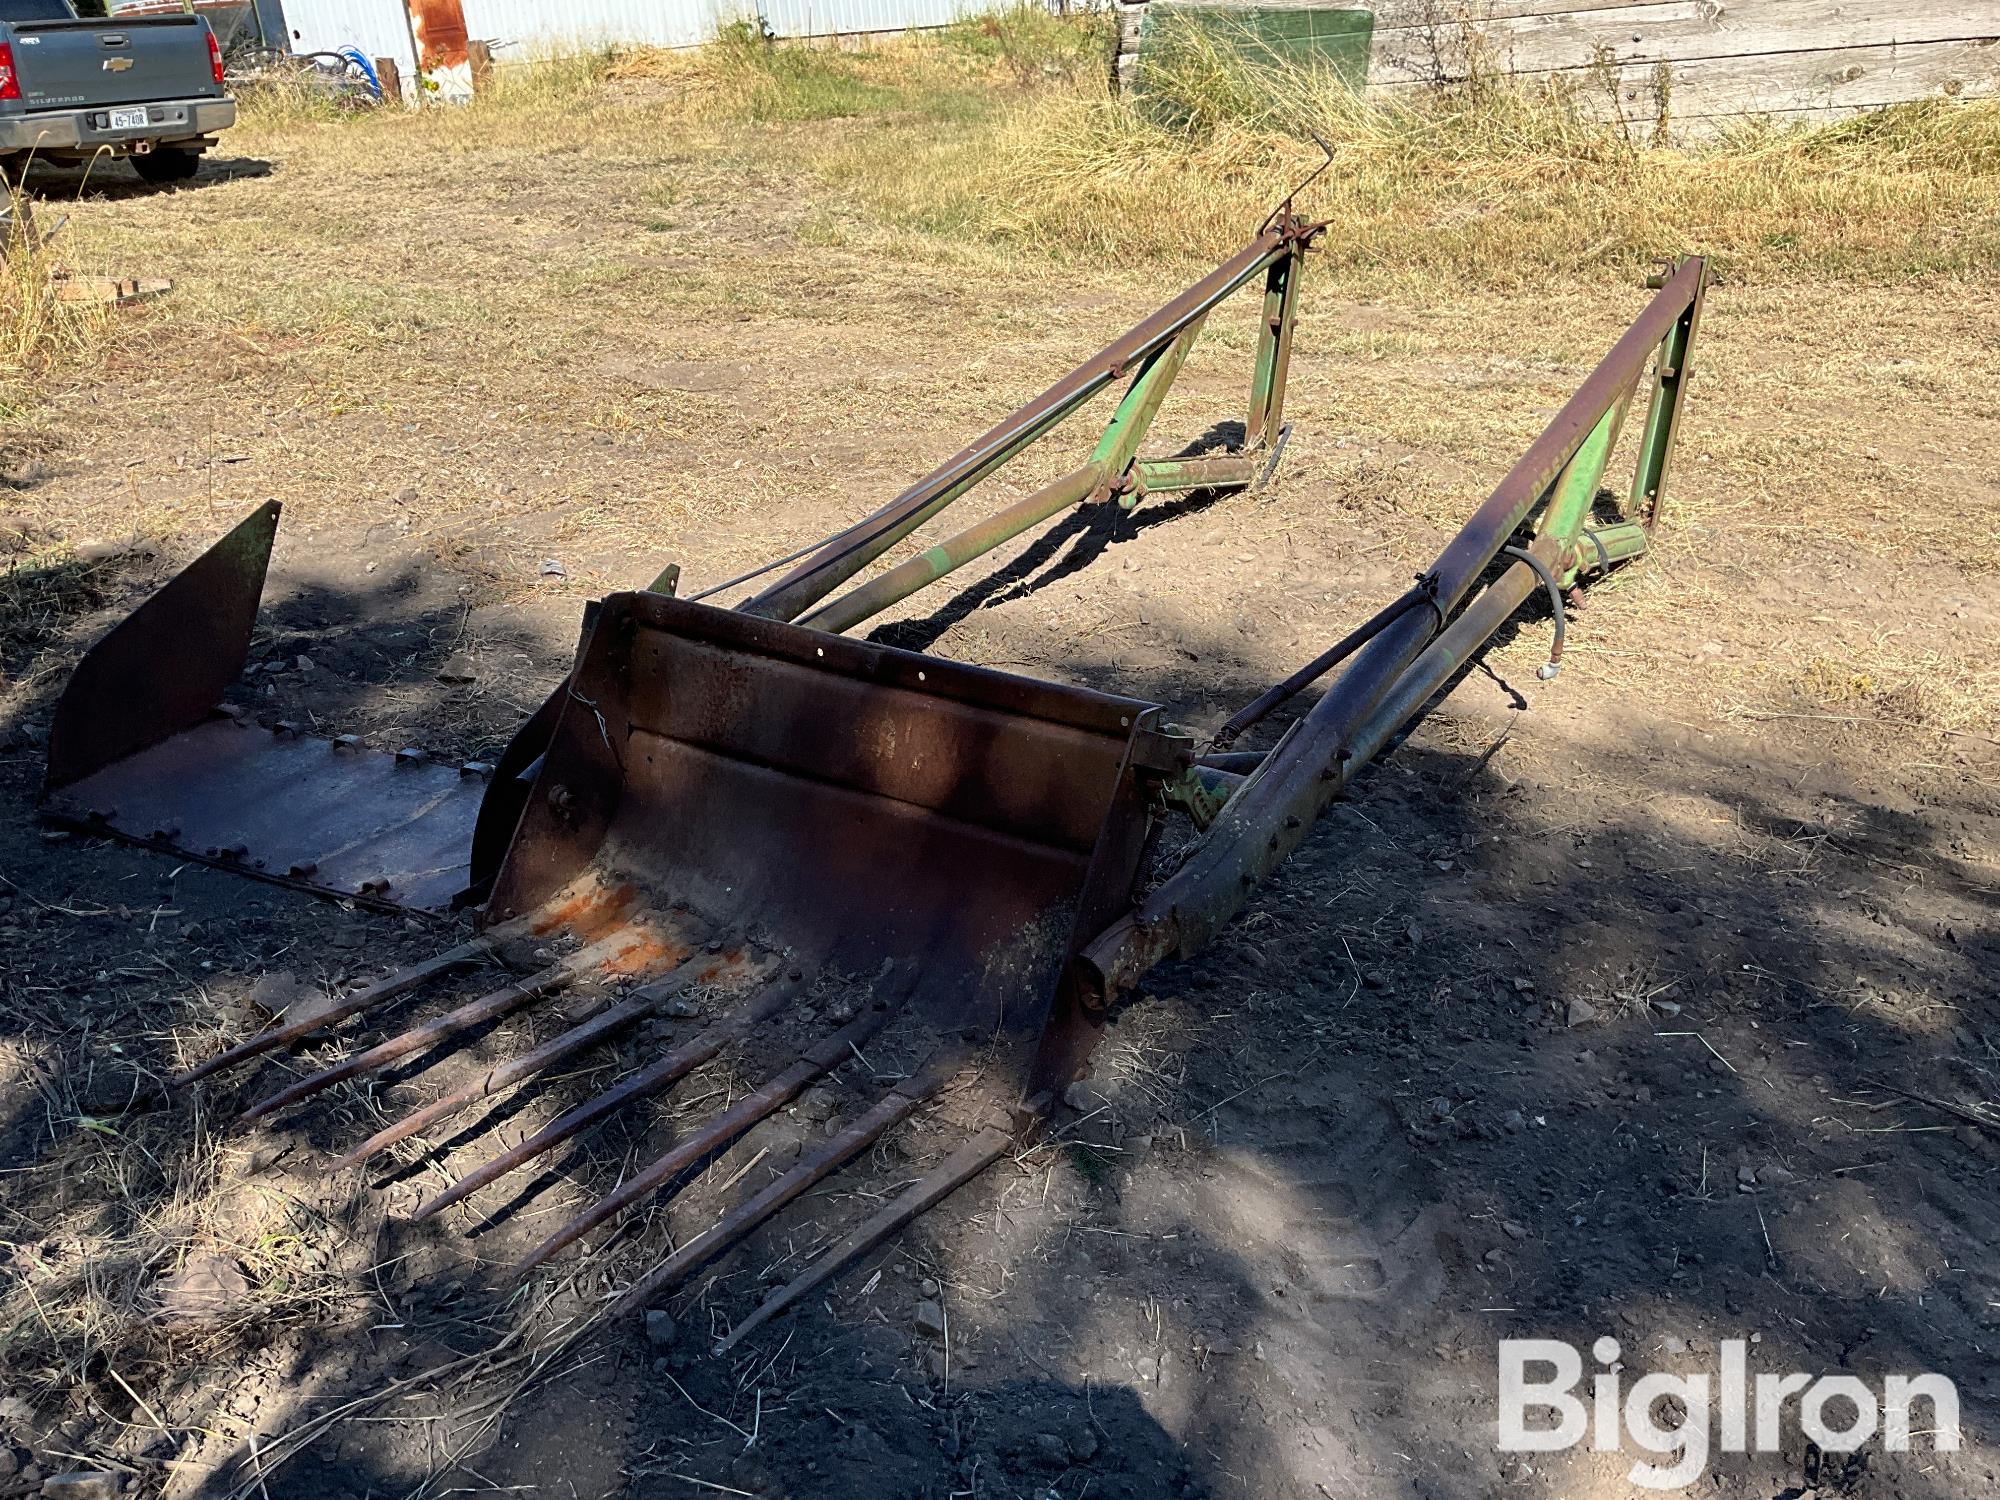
point(380, 28)
point(522, 28)
point(838, 17)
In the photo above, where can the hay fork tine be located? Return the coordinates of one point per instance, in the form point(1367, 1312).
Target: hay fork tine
point(947, 1177)
point(605, 1023)
point(495, 1003)
point(466, 954)
point(657, 1075)
point(764, 1100)
point(855, 1137)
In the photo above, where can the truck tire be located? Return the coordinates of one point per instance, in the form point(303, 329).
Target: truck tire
point(167, 165)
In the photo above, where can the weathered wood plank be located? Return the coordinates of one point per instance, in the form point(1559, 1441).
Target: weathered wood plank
point(1394, 14)
point(1832, 81)
point(1725, 57)
point(1831, 78)
point(1439, 50)
point(1687, 30)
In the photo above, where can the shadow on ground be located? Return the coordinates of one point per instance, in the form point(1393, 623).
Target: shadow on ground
point(1567, 1024)
point(50, 184)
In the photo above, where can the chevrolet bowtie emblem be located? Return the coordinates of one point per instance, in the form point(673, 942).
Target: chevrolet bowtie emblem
point(117, 64)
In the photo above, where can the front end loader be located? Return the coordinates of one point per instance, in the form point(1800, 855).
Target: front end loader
point(936, 879)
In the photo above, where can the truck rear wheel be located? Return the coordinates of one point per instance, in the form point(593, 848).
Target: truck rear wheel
point(167, 165)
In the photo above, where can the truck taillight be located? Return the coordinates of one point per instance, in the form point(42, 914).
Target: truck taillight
point(10, 86)
point(214, 59)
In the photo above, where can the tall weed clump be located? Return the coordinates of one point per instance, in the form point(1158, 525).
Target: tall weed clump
point(39, 328)
point(1476, 174)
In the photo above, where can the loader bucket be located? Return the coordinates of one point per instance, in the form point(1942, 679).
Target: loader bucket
point(145, 750)
point(779, 816)
point(851, 805)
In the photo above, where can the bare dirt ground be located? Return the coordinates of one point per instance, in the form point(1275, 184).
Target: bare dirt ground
point(1628, 1004)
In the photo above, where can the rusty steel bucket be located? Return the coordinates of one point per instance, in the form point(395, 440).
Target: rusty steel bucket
point(840, 845)
point(854, 806)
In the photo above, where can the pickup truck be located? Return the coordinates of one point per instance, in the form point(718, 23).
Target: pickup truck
point(148, 88)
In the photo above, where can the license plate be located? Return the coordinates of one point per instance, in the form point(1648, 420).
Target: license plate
point(128, 119)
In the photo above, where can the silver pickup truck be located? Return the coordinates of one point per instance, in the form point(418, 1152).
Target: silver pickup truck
point(148, 88)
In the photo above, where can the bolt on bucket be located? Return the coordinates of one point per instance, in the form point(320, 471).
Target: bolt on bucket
point(855, 807)
point(841, 846)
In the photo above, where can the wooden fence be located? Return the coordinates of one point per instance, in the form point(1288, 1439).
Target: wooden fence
point(1696, 60)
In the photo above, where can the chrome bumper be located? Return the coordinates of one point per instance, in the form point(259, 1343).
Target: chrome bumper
point(167, 120)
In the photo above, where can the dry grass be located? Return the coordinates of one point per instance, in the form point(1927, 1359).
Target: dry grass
point(85, 1323)
point(39, 330)
point(999, 136)
point(951, 74)
point(96, 1331)
point(1497, 180)
point(1943, 693)
point(1002, 132)
point(528, 96)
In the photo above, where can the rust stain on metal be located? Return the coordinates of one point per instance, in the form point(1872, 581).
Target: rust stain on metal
point(587, 913)
point(730, 962)
point(439, 29)
point(646, 953)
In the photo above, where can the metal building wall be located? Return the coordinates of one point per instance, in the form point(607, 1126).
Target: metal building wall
point(519, 29)
point(841, 17)
point(522, 29)
point(380, 28)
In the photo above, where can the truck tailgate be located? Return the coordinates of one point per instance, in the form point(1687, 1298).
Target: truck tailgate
point(67, 64)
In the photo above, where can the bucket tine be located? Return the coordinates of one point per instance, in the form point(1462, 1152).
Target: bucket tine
point(399, 983)
point(949, 1175)
point(852, 1139)
point(500, 1002)
point(605, 1023)
point(766, 1099)
point(655, 1076)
